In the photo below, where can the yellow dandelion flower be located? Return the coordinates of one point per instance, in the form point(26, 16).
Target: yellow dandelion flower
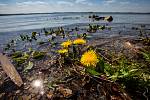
point(66, 44)
point(62, 51)
point(79, 41)
point(89, 58)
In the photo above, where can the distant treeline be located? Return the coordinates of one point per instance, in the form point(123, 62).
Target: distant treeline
point(78, 12)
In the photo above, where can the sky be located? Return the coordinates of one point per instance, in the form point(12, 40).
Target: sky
point(48, 6)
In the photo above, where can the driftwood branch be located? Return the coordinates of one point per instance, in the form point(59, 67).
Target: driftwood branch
point(10, 70)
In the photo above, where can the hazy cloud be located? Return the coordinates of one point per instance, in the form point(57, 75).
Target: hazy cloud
point(124, 2)
point(31, 3)
point(110, 1)
point(80, 1)
point(65, 3)
point(3, 4)
point(34, 6)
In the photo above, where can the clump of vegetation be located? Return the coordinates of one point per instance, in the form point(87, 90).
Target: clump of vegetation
point(20, 57)
point(144, 36)
point(97, 18)
point(37, 55)
point(95, 28)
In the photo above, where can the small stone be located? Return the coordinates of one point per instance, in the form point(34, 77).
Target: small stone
point(27, 87)
point(1, 95)
point(25, 97)
point(33, 95)
point(19, 68)
point(45, 81)
point(66, 92)
point(30, 89)
point(30, 97)
point(24, 83)
point(38, 97)
point(18, 91)
point(30, 78)
point(49, 95)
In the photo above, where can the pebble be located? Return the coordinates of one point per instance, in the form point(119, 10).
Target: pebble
point(38, 97)
point(24, 83)
point(66, 92)
point(33, 95)
point(30, 78)
point(45, 81)
point(30, 97)
point(49, 95)
point(27, 87)
point(18, 91)
point(25, 97)
point(30, 90)
point(1, 95)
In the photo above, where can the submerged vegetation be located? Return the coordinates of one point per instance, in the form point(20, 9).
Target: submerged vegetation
point(73, 69)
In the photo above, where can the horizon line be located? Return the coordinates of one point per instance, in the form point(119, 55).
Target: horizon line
point(5, 14)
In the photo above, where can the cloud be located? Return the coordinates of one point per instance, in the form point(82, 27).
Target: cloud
point(124, 2)
point(65, 3)
point(3, 4)
point(31, 3)
point(72, 6)
point(80, 1)
point(85, 2)
point(109, 1)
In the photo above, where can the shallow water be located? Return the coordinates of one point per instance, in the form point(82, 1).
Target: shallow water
point(13, 25)
point(36, 21)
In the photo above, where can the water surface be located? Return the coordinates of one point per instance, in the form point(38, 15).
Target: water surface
point(13, 25)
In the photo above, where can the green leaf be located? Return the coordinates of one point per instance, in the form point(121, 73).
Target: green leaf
point(100, 66)
point(17, 54)
point(92, 71)
point(19, 60)
point(30, 49)
point(133, 70)
point(108, 69)
point(125, 73)
point(38, 55)
point(115, 76)
point(146, 56)
point(25, 55)
point(29, 66)
point(41, 42)
point(51, 86)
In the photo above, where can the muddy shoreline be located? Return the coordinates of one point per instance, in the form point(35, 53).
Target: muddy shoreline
point(63, 81)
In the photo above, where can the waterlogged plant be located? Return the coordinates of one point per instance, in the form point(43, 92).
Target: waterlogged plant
point(34, 35)
point(38, 55)
point(17, 54)
point(20, 57)
point(101, 27)
point(108, 18)
point(144, 37)
point(10, 45)
point(94, 28)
